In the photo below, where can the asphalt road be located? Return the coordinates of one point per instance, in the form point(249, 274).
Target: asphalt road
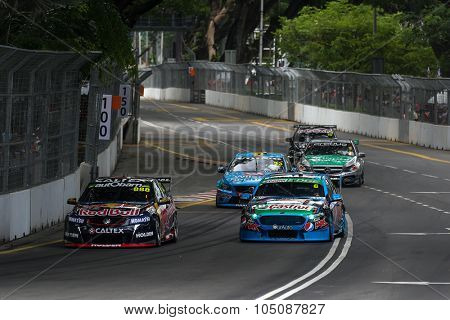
point(399, 247)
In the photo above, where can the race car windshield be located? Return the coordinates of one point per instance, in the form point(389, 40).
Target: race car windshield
point(305, 136)
point(343, 149)
point(290, 189)
point(137, 194)
point(257, 165)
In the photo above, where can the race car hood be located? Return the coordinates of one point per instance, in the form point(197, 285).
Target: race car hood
point(271, 207)
point(244, 178)
point(109, 209)
point(328, 160)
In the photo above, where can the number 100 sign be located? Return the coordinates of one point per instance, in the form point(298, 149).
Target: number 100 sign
point(105, 118)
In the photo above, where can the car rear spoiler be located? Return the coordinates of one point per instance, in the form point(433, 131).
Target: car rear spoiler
point(308, 126)
point(167, 181)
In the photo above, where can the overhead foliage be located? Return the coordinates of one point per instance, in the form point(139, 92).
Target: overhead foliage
point(436, 28)
point(340, 37)
point(87, 25)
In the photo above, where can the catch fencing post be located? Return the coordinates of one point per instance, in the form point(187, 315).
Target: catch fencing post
point(92, 124)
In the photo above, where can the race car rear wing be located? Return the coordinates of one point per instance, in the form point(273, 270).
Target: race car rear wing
point(308, 126)
point(166, 181)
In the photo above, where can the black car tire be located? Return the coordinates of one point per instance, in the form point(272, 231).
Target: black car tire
point(343, 232)
point(158, 240)
point(217, 202)
point(175, 228)
point(331, 228)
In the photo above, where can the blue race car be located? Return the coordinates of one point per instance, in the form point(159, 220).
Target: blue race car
point(294, 207)
point(244, 173)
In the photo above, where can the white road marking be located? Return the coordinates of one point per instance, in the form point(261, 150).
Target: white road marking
point(429, 176)
point(375, 163)
point(416, 283)
point(196, 197)
point(420, 233)
point(431, 192)
point(447, 179)
point(305, 276)
point(391, 167)
point(409, 171)
point(407, 199)
point(448, 229)
point(347, 245)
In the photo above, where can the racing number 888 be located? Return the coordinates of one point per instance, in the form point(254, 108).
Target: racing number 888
point(297, 308)
point(141, 189)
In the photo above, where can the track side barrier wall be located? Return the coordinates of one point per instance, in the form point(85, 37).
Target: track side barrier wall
point(400, 108)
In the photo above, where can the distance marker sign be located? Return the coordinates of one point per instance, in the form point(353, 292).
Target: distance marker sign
point(125, 94)
point(105, 118)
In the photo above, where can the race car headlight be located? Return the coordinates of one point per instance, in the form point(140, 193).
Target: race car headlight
point(352, 165)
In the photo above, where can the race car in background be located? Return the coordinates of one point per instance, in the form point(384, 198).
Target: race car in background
point(338, 158)
point(304, 134)
point(244, 173)
point(294, 207)
point(122, 212)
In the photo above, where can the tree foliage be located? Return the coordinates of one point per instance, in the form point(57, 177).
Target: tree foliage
point(86, 25)
point(436, 28)
point(340, 37)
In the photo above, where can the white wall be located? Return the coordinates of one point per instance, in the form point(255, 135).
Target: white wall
point(423, 134)
point(168, 94)
point(429, 135)
point(250, 104)
point(31, 210)
point(354, 122)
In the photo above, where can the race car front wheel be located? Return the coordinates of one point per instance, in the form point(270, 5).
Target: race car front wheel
point(157, 233)
point(175, 228)
point(330, 228)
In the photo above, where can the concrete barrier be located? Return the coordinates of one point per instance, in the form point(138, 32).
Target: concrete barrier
point(265, 107)
point(172, 94)
point(423, 134)
point(429, 135)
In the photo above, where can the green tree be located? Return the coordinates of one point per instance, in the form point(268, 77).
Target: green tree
point(340, 37)
point(436, 28)
point(85, 25)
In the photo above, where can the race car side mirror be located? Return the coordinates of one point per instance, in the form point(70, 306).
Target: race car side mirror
point(336, 197)
point(164, 201)
point(221, 169)
point(356, 142)
point(361, 155)
point(288, 139)
point(72, 201)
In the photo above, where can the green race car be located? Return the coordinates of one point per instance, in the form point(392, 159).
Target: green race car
point(339, 158)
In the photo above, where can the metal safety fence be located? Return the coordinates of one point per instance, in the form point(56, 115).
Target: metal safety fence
point(392, 96)
point(39, 112)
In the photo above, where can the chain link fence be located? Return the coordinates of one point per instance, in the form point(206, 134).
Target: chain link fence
point(392, 96)
point(39, 111)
